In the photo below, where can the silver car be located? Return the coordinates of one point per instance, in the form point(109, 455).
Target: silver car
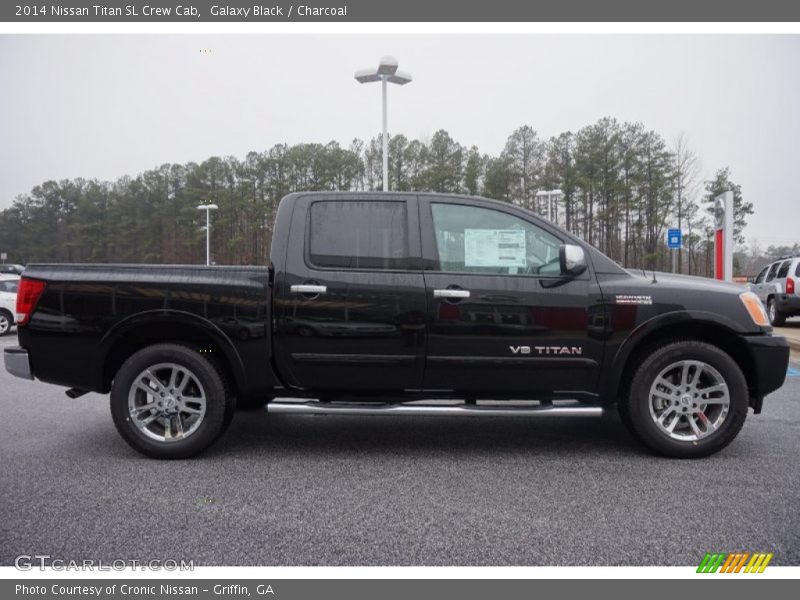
point(778, 285)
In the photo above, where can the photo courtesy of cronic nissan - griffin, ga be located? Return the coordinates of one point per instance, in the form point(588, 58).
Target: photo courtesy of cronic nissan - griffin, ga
point(406, 304)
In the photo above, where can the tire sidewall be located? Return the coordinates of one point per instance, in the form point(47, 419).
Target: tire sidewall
point(217, 403)
point(639, 399)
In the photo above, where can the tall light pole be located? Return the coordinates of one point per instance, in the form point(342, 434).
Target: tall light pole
point(385, 73)
point(552, 197)
point(208, 208)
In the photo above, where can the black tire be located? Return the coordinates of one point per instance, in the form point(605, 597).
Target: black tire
point(635, 406)
point(219, 404)
point(776, 317)
point(6, 321)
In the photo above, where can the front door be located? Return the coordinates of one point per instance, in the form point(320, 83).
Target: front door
point(502, 319)
point(351, 306)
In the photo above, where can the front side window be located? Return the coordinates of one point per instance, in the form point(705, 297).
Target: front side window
point(358, 235)
point(471, 239)
point(761, 275)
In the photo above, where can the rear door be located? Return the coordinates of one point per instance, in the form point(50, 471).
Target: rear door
point(350, 306)
point(501, 318)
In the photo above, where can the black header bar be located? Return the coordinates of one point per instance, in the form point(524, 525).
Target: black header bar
point(156, 11)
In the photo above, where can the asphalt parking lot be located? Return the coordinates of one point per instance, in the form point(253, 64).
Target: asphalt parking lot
point(312, 490)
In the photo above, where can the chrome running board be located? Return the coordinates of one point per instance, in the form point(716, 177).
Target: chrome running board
point(431, 410)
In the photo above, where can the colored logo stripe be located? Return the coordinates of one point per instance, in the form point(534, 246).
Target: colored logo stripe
point(734, 562)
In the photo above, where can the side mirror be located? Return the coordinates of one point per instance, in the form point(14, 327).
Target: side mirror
point(571, 259)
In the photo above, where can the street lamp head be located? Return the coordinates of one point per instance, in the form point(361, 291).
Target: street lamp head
point(387, 66)
point(399, 77)
point(387, 69)
point(207, 207)
point(367, 75)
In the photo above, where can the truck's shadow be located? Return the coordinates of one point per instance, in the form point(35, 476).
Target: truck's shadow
point(255, 432)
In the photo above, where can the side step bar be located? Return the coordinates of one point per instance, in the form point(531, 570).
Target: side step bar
point(459, 410)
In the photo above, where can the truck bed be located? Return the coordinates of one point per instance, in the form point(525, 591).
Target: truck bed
point(92, 315)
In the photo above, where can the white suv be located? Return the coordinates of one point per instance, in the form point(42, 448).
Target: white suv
point(8, 302)
point(778, 286)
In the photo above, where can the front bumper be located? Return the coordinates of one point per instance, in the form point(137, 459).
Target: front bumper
point(770, 358)
point(18, 362)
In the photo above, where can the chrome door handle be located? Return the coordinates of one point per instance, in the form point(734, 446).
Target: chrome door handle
point(307, 288)
point(451, 293)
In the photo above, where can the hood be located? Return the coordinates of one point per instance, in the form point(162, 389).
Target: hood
point(695, 282)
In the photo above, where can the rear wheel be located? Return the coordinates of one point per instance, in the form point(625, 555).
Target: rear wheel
point(168, 401)
point(776, 317)
point(687, 399)
point(6, 320)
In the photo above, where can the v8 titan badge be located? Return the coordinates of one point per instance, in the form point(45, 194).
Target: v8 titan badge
point(633, 299)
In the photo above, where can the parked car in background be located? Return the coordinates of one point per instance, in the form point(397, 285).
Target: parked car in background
point(777, 287)
point(8, 302)
point(11, 269)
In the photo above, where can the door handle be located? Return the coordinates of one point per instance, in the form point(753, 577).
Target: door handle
point(308, 288)
point(451, 293)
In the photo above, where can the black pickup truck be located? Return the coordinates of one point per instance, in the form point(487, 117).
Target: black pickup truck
point(390, 303)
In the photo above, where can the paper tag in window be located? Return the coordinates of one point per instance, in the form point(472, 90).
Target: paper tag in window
point(494, 248)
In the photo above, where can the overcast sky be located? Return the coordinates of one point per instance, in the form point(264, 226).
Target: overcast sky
point(104, 106)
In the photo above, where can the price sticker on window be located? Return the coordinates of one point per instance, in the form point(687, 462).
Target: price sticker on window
point(494, 248)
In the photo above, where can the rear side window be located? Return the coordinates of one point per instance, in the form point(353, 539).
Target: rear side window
point(772, 270)
point(358, 235)
point(797, 270)
point(784, 269)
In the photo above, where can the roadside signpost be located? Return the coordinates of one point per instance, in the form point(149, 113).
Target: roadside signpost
point(674, 241)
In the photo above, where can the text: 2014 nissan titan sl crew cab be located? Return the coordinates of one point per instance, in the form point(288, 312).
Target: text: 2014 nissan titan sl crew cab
point(390, 303)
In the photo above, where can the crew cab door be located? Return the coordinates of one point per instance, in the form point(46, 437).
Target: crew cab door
point(350, 301)
point(502, 318)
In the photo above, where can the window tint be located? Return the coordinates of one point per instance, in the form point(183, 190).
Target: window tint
point(784, 270)
point(760, 277)
point(480, 240)
point(772, 270)
point(797, 270)
point(358, 235)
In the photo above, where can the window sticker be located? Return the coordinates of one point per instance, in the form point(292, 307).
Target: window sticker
point(494, 248)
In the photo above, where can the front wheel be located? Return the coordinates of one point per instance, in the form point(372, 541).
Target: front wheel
point(687, 399)
point(168, 401)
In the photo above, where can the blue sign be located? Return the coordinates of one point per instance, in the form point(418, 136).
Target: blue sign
point(674, 238)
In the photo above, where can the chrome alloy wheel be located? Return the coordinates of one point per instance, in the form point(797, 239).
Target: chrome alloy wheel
point(689, 400)
point(5, 324)
point(167, 402)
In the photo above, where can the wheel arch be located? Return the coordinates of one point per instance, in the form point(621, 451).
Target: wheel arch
point(703, 327)
point(166, 326)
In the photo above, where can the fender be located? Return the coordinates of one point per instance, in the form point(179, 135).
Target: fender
point(612, 374)
point(171, 317)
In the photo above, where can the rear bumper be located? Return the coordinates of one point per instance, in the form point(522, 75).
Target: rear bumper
point(18, 362)
point(788, 303)
point(770, 357)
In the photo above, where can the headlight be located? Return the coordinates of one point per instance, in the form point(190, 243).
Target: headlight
point(754, 308)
